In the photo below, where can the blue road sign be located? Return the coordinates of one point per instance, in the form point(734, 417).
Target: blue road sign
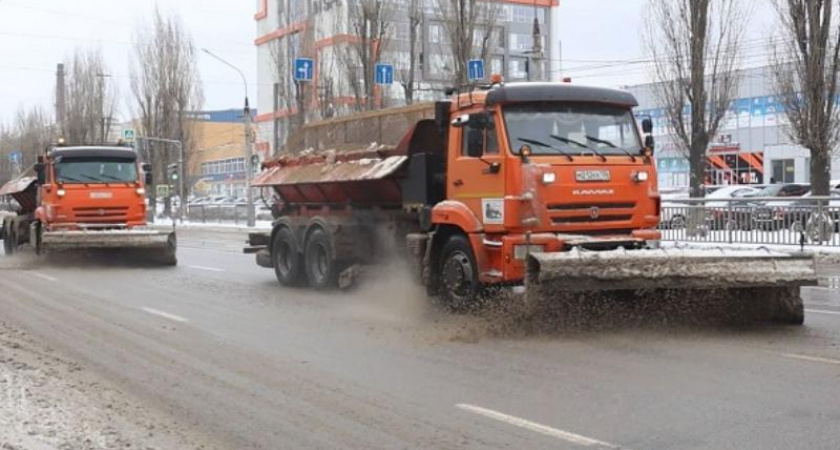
point(475, 69)
point(15, 157)
point(304, 69)
point(384, 74)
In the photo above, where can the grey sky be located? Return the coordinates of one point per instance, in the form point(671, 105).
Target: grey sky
point(37, 34)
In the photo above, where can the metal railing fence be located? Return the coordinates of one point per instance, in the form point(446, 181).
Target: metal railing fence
point(765, 220)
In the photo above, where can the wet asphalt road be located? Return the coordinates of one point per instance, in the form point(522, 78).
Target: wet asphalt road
point(219, 347)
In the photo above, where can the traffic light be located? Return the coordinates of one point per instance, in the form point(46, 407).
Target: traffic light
point(173, 172)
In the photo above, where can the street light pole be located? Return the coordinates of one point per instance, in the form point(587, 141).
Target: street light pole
point(249, 145)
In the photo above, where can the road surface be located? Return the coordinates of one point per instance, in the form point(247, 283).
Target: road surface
point(217, 348)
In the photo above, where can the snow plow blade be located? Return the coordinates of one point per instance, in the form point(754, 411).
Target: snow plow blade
point(760, 282)
point(152, 245)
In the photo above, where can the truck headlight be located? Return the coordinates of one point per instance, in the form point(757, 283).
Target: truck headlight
point(549, 177)
point(141, 191)
point(61, 192)
point(521, 251)
point(641, 176)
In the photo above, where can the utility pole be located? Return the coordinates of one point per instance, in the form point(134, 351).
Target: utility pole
point(60, 96)
point(249, 146)
point(537, 57)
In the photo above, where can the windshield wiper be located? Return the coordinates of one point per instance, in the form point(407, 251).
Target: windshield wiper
point(581, 145)
point(115, 178)
point(544, 145)
point(610, 144)
point(66, 178)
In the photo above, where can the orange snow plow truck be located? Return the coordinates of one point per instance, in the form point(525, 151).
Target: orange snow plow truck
point(550, 186)
point(85, 198)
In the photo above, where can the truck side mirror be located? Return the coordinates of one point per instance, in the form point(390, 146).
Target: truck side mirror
point(476, 120)
point(647, 125)
point(480, 120)
point(475, 143)
point(40, 173)
point(147, 170)
point(649, 142)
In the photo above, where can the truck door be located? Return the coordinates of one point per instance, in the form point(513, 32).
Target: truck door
point(472, 180)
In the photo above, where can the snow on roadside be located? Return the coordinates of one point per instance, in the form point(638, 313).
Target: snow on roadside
point(827, 255)
point(47, 402)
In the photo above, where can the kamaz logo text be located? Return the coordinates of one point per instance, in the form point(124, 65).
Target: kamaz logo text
point(593, 192)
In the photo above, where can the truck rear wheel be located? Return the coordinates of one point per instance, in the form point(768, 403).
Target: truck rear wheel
point(458, 285)
point(319, 261)
point(287, 261)
point(9, 238)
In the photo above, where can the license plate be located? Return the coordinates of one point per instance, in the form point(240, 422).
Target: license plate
point(101, 195)
point(592, 175)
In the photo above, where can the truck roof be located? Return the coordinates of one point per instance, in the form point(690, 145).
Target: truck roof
point(558, 92)
point(93, 152)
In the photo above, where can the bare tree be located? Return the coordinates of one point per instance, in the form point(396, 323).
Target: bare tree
point(29, 134)
point(409, 73)
point(806, 64)
point(695, 48)
point(166, 86)
point(370, 27)
point(90, 99)
point(284, 86)
point(469, 27)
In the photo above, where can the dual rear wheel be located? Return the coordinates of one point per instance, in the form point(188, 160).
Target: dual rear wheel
point(316, 265)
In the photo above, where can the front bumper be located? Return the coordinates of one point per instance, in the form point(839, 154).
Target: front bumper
point(108, 239)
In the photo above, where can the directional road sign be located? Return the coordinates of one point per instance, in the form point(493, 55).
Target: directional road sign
point(304, 69)
point(384, 74)
point(475, 69)
point(162, 190)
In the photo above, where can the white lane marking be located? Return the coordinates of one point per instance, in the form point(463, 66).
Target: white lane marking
point(208, 269)
point(816, 359)
point(45, 277)
point(820, 311)
point(165, 315)
point(535, 427)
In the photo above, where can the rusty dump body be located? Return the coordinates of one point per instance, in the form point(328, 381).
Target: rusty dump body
point(81, 198)
point(544, 184)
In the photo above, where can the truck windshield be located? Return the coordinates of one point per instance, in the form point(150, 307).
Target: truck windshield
point(82, 170)
point(575, 129)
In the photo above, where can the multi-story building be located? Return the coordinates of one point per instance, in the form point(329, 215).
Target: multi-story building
point(751, 147)
point(322, 30)
point(218, 165)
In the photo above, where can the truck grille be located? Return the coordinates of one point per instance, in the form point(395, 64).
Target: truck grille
point(587, 206)
point(105, 214)
point(587, 219)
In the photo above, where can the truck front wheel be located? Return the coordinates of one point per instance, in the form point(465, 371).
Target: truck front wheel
point(287, 261)
point(458, 285)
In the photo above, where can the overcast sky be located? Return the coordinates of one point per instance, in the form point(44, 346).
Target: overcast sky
point(35, 35)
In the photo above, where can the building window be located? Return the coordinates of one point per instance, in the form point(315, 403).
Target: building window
point(436, 34)
point(784, 171)
point(518, 69)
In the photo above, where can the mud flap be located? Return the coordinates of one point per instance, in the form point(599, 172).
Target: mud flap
point(750, 284)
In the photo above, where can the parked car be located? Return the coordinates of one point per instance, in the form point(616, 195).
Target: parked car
point(723, 213)
point(674, 207)
point(772, 215)
point(807, 215)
